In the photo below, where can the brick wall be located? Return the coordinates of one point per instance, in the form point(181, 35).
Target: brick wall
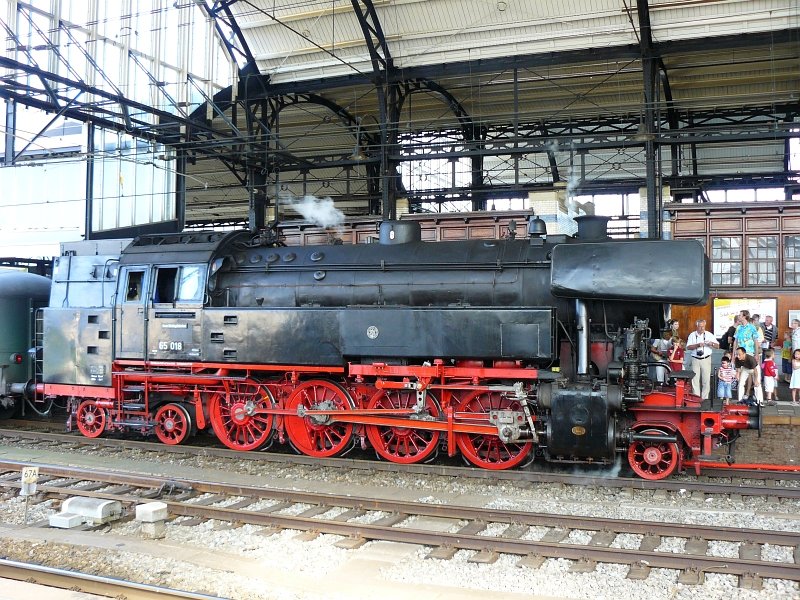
point(778, 444)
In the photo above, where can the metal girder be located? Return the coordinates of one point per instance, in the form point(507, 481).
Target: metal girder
point(90, 59)
point(58, 115)
point(387, 92)
point(106, 110)
point(48, 89)
point(221, 13)
point(379, 54)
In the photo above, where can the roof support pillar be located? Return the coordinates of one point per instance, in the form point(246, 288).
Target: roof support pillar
point(10, 132)
point(89, 209)
point(649, 73)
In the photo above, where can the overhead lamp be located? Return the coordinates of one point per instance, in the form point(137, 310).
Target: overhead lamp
point(358, 154)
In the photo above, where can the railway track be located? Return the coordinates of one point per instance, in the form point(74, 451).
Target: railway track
point(770, 484)
point(91, 584)
point(446, 529)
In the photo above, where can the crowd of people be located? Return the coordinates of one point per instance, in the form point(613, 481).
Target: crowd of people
point(748, 366)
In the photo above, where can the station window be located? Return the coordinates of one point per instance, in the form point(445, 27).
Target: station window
point(791, 260)
point(726, 261)
point(762, 260)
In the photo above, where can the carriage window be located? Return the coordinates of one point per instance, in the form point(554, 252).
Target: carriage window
point(190, 286)
point(134, 290)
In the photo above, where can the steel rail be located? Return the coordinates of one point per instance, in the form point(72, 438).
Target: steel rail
point(526, 476)
point(485, 515)
point(91, 584)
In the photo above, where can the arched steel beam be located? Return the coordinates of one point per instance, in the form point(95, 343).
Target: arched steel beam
point(473, 135)
point(412, 86)
point(379, 53)
point(222, 15)
point(347, 118)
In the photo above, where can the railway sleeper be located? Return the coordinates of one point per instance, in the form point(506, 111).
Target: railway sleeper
point(583, 565)
point(751, 581)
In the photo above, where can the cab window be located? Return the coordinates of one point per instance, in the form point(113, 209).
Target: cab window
point(133, 290)
point(179, 284)
point(165, 285)
point(190, 284)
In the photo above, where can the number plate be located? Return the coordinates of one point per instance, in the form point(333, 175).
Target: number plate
point(170, 346)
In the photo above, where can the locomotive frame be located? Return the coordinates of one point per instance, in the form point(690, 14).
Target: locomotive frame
point(406, 347)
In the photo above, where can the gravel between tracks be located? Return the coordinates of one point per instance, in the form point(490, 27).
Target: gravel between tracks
point(242, 563)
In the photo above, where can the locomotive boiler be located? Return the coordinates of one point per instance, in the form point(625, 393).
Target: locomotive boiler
point(500, 350)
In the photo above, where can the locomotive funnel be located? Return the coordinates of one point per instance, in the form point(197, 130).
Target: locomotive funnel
point(592, 228)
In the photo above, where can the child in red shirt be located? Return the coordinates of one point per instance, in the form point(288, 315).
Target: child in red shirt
point(676, 354)
point(770, 372)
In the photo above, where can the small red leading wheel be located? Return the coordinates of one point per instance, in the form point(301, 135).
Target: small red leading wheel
point(653, 459)
point(173, 424)
point(90, 418)
point(241, 415)
point(405, 445)
point(489, 451)
point(318, 435)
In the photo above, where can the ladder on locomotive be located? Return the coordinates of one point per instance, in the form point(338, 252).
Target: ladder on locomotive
point(38, 351)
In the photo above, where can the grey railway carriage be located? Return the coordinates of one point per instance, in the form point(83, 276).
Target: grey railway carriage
point(20, 295)
point(502, 350)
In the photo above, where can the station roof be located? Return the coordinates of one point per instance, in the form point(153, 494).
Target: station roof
point(485, 99)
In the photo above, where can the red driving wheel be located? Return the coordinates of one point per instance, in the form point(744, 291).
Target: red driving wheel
point(241, 415)
point(653, 459)
point(318, 435)
point(405, 445)
point(173, 424)
point(489, 451)
point(90, 418)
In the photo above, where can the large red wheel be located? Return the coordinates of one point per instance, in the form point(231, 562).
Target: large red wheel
point(90, 418)
point(405, 445)
point(318, 435)
point(489, 451)
point(173, 424)
point(653, 459)
point(241, 415)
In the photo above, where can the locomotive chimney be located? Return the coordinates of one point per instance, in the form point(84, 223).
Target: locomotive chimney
point(592, 228)
point(400, 232)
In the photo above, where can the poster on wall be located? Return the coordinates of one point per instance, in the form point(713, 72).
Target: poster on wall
point(725, 309)
point(793, 314)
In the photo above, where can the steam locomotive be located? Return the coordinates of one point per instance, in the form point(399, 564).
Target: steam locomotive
point(501, 350)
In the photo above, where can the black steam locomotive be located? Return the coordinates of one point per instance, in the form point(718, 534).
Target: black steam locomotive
point(502, 350)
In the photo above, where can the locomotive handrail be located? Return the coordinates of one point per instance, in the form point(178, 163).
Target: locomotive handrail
point(473, 266)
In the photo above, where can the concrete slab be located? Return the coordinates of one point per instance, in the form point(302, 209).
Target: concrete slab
point(65, 520)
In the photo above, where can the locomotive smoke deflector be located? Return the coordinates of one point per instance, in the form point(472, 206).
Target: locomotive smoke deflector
point(400, 232)
point(669, 271)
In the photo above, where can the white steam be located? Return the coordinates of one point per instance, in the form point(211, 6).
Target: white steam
point(320, 211)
